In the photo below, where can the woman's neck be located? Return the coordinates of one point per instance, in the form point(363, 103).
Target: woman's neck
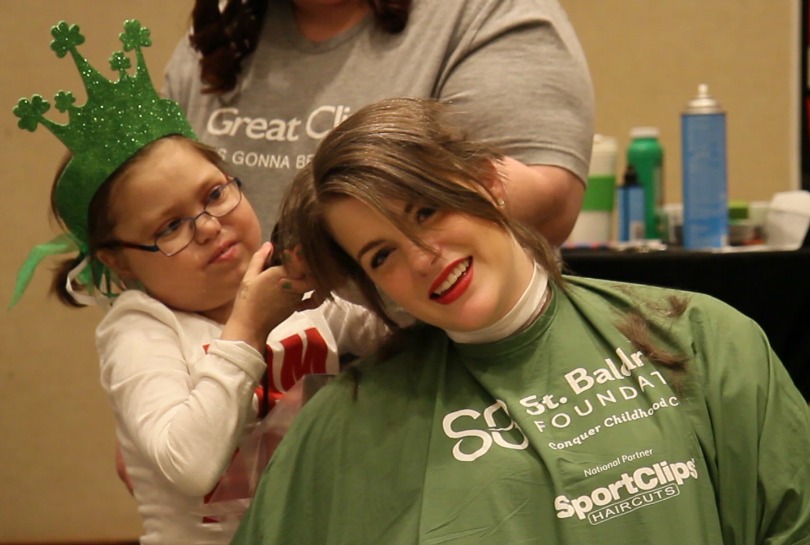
point(319, 23)
point(530, 304)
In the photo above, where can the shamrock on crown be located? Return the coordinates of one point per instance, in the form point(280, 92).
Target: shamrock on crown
point(118, 119)
point(66, 40)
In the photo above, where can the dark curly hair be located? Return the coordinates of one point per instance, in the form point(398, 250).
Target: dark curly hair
point(225, 37)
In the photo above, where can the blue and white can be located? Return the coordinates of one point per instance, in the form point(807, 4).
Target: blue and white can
point(705, 186)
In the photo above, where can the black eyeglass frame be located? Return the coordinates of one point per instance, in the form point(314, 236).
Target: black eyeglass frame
point(192, 219)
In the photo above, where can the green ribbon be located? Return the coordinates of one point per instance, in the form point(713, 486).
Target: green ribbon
point(61, 244)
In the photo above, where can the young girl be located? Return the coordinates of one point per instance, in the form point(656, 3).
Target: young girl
point(526, 407)
point(199, 340)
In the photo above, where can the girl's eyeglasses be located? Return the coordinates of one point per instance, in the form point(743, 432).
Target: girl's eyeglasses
point(179, 233)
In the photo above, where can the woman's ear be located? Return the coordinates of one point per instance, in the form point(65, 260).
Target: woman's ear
point(117, 263)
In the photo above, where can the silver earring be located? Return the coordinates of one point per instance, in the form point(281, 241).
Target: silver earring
point(501, 203)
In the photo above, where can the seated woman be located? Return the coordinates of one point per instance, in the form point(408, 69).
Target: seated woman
point(523, 406)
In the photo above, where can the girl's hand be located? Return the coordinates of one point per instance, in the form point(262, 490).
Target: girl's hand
point(266, 297)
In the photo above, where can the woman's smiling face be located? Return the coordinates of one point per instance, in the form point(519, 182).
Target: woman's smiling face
point(473, 276)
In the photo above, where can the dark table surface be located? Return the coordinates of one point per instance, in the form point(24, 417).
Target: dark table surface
point(772, 287)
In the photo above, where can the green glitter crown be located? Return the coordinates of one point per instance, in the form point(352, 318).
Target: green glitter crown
point(118, 119)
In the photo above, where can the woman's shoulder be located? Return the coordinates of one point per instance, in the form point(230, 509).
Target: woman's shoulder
point(632, 295)
point(710, 334)
point(695, 323)
point(367, 400)
point(471, 14)
point(181, 75)
point(407, 352)
point(406, 368)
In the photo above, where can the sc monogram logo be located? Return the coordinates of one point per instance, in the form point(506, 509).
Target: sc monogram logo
point(493, 433)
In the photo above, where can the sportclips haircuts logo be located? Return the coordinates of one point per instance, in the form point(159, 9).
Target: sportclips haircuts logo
point(475, 443)
point(644, 486)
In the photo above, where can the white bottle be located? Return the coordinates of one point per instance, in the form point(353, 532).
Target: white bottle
point(594, 224)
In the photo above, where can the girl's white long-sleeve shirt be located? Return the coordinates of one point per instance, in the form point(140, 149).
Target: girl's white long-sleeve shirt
point(183, 398)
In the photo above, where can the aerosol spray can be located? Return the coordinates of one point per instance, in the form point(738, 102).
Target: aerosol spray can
point(705, 198)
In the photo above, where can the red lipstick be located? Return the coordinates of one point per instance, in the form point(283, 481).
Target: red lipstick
point(453, 281)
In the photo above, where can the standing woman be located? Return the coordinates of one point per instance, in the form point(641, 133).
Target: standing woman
point(263, 81)
point(525, 407)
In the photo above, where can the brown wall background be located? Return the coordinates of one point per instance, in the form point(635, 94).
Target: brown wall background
point(57, 479)
point(647, 59)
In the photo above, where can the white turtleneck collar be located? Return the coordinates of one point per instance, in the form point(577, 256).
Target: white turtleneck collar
point(525, 310)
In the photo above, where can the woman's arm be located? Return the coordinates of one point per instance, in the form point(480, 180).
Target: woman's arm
point(547, 198)
point(521, 81)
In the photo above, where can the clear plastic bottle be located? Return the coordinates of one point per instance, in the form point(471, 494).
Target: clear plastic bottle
point(631, 207)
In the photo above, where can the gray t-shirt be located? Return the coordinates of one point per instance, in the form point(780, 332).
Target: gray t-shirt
point(514, 67)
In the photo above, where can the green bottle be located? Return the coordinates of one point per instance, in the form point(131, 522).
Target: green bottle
point(647, 157)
